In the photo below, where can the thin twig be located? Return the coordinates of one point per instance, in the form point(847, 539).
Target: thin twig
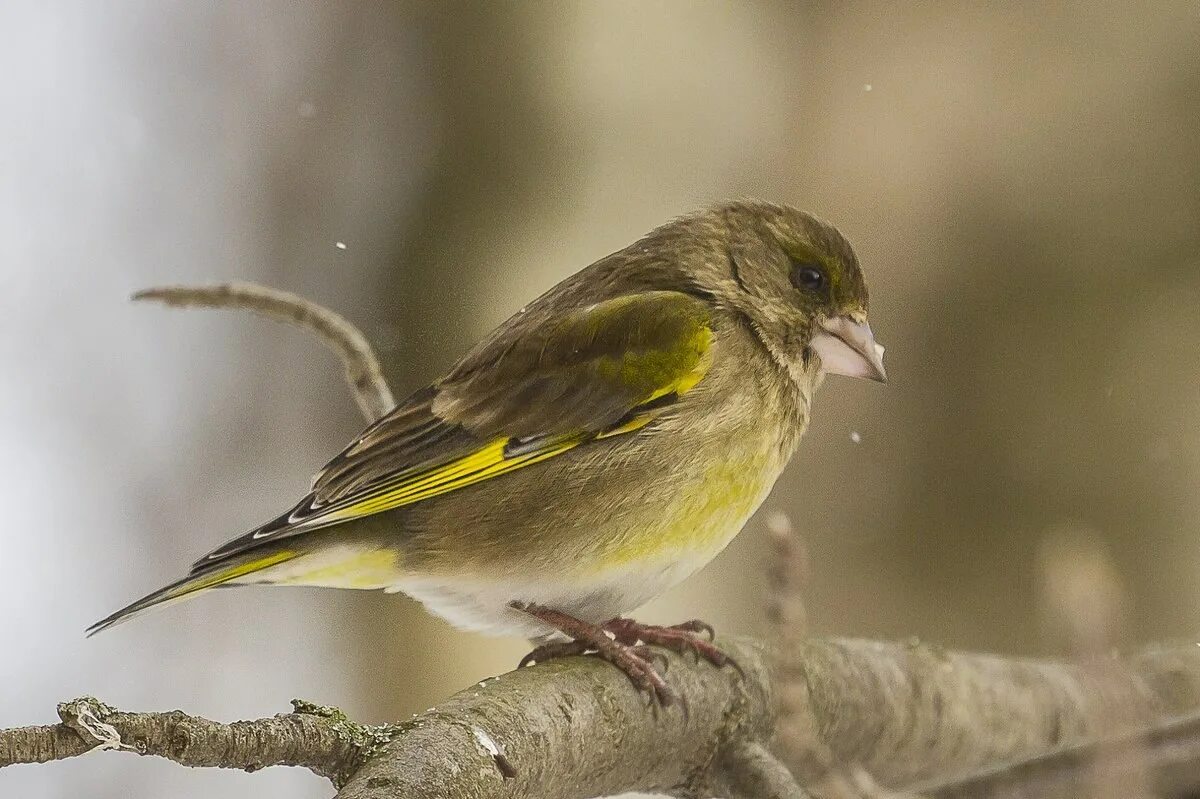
point(1085, 601)
point(318, 739)
point(363, 372)
point(796, 739)
point(787, 580)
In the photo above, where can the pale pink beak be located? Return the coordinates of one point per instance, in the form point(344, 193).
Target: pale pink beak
point(847, 347)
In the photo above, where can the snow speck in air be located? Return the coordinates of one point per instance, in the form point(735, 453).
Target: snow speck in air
point(341, 245)
point(855, 437)
point(307, 109)
point(867, 87)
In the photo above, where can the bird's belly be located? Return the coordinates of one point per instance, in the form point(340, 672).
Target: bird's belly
point(483, 604)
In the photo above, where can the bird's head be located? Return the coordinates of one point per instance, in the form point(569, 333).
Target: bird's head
point(797, 281)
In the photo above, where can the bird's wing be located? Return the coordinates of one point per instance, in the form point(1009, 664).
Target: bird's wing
point(537, 388)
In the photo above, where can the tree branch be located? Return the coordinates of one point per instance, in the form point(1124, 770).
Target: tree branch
point(363, 372)
point(576, 728)
point(573, 728)
point(910, 713)
point(319, 739)
point(1168, 752)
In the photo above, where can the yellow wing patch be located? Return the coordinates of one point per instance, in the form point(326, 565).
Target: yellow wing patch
point(665, 373)
point(483, 464)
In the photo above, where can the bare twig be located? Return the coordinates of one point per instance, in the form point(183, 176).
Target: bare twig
point(363, 372)
point(1085, 602)
point(318, 739)
point(787, 578)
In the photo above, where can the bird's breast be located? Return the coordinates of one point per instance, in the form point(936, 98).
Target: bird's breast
point(704, 509)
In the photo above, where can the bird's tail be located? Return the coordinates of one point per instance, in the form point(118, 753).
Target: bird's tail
point(197, 581)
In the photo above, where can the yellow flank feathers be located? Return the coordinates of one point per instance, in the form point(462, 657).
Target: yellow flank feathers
point(343, 567)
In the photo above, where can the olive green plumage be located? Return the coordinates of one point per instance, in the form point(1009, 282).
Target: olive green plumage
point(596, 448)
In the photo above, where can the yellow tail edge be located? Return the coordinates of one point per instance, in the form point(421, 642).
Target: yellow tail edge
point(191, 585)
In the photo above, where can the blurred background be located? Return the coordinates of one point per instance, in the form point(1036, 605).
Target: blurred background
point(1021, 182)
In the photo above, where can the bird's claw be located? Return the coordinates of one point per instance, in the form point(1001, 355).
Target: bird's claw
point(552, 650)
point(628, 645)
point(681, 638)
point(695, 626)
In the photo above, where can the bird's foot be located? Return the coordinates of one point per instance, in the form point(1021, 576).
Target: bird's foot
point(683, 637)
point(635, 660)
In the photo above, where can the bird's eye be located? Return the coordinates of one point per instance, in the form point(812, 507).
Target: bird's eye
point(808, 276)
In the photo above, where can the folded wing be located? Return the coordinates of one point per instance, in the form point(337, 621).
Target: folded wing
point(535, 389)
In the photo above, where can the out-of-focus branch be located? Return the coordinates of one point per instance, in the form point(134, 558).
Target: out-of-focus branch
point(915, 712)
point(1168, 754)
point(796, 739)
point(363, 372)
point(1084, 603)
point(748, 770)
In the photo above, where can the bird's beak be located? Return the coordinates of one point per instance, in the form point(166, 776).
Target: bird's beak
point(847, 347)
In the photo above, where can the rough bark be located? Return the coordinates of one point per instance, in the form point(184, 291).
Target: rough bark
point(319, 739)
point(576, 728)
point(573, 729)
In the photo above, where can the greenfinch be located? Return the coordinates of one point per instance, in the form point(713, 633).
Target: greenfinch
point(598, 447)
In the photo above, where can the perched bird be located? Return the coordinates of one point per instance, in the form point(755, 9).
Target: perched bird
point(594, 450)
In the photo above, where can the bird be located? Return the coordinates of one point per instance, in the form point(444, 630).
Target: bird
point(595, 449)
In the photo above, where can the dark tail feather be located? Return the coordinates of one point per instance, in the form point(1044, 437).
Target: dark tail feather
point(191, 585)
